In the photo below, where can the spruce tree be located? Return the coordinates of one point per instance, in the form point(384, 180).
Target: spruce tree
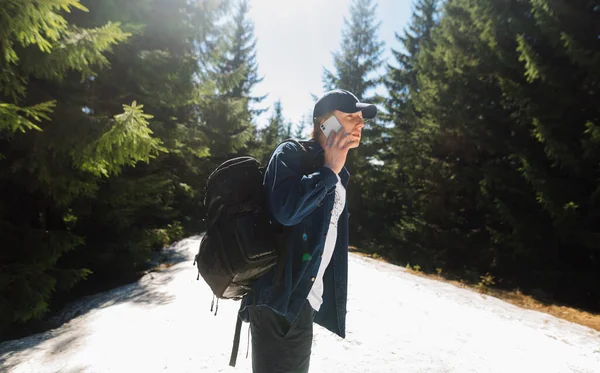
point(149, 205)
point(47, 163)
point(231, 65)
point(37, 42)
point(406, 149)
point(287, 130)
point(299, 133)
point(270, 136)
point(103, 173)
point(508, 89)
point(356, 70)
point(359, 58)
point(242, 57)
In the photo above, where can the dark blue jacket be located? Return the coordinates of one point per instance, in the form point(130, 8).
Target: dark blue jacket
point(304, 201)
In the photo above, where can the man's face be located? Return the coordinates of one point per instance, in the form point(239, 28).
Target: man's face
point(352, 123)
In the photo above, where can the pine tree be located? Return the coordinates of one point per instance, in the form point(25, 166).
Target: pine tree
point(231, 65)
point(407, 145)
point(299, 133)
point(105, 171)
point(43, 166)
point(37, 41)
point(274, 130)
point(507, 88)
point(242, 49)
point(148, 205)
point(287, 130)
point(303, 126)
point(360, 55)
point(356, 66)
point(401, 81)
point(270, 136)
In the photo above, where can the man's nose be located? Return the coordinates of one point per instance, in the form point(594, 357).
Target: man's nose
point(360, 124)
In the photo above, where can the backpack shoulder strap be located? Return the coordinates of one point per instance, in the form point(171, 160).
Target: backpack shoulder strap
point(236, 342)
point(308, 163)
point(299, 143)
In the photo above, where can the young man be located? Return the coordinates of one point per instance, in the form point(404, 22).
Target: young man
point(306, 191)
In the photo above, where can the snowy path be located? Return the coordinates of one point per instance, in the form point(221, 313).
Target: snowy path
point(397, 322)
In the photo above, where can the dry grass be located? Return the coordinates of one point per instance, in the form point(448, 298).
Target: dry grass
point(514, 297)
point(567, 313)
point(159, 268)
point(163, 266)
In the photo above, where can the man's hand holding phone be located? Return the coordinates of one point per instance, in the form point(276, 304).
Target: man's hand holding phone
point(336, 150)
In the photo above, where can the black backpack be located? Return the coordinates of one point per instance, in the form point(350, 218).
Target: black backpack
point(242, 241)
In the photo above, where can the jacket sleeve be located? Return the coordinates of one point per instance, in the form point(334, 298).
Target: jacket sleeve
point(291, 195)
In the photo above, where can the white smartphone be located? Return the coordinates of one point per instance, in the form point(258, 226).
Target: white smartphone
point(331, 124)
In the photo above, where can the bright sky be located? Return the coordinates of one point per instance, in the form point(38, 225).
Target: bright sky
point(295, 39)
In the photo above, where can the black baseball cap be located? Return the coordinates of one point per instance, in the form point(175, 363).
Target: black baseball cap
point(344, 101)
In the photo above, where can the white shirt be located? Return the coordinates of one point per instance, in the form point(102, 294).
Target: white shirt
point(315, 297)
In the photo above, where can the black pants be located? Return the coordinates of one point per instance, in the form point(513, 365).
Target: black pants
point(277, 346)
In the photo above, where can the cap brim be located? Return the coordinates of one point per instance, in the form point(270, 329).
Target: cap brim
point(369, 111)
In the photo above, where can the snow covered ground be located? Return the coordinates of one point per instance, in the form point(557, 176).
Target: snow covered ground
point(397, 322)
